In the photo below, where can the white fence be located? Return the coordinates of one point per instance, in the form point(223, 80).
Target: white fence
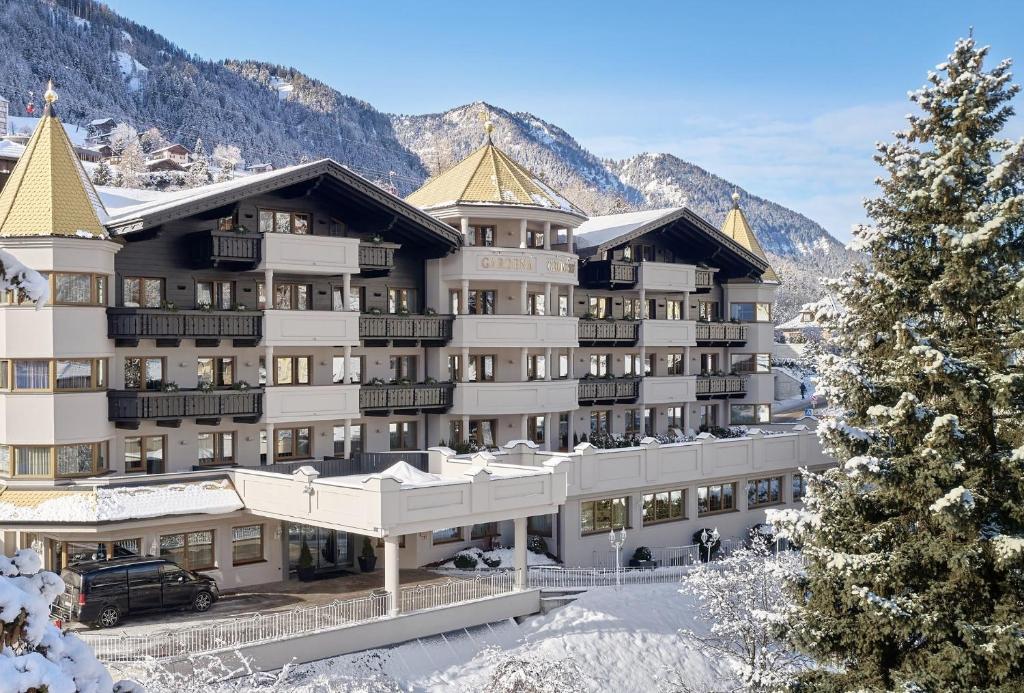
point(277, 625)
point(584, 578)
point(666, 556)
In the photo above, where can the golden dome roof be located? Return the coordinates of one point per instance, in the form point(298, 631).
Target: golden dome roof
point(737, 228)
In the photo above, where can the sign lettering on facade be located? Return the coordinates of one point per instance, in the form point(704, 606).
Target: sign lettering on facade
point(523, 263)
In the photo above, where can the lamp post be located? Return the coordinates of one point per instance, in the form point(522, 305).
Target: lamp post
point(617, 540)
point(708, 540)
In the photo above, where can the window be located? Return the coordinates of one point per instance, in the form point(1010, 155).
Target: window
point(674, 416)
point(446, 536)
point(454, 368)
point(142, 292)
point(216, 448)
point(636, 367)
point(744, 414)
point(534, 239)
point(77, 459)
point(58, 375)
point(604, 515)
point(708, 416)
point(535, 429)
point(764, 491)
point(716, 499)
point(481, 368)
point(292, 442)
point(481, 431)
point(403, 367)
point(485, 530)
point(600, 364)
point(664, 506)
point(83, 458)
point(31, 375)
point(675, 364)
point(76, 289)
point(216, 371)
point(600, 306)
point(356, 298)
point(402, 301)
point(82, 374)
point(481, 302)
point(216, 295)
point(246, 544)
point(633, 421)
point(403, 435)
point(292, 370)
point(191, 550)
point(632, 309)
point(143, 372)
point(539, 525)
point(226, 223)
point(536, 367)
point(600, 421)
point(563, 431)
point(563, 365)
point(709, 364)
point(708, 311)
point(536, 304)
point(650, 421)
point(339, 440)
point(287, 296)
point(144, 454)
point(338, 369)
point(799, 487)
point(750, 312)
point(563, 306)
point(272, 221)
point(750, 363)
point(481, 235)
point(673, 309)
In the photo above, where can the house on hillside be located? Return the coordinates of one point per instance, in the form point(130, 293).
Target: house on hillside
point(99, 130)
point(175, 152)
point(259, 168)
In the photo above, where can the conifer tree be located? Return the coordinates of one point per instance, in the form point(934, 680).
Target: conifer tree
point(915, 543)
point(199, 172)
point(103, 175)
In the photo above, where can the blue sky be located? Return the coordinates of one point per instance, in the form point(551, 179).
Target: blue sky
point(784, 98)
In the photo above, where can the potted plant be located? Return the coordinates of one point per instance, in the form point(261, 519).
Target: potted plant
point(205, 385)
point(642, 558)
point(306, 568)
point(169, 387)
point(367, 557)
point(241, 385)
point(205, 307)
point(430, 311)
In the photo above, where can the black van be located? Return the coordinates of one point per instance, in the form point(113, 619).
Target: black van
point(99, 593)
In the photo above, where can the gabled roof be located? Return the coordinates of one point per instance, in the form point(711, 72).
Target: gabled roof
point(48, 192)
point(603, 233)
point(490, 176)
point(175, 205)
point(172, 147)
point(737, 228)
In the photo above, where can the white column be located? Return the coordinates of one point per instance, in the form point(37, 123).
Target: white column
point(464, 366)
point(348, 439)
point(522, 233)
point(643, 360)
point(522, 365)
point(464, 223)
point(465, 427)
point(523, 307)
point(392, 583)
point(270, 443)
point(519, 552)
point(524, 428)
point(268, 360)
point(686, 305)
point(547, 235)
point(548, 305)
point(572, 306)
point(464, 308)
point(346, 361)
point(550, 434)
point(346, 290)
point(687, 366)
point(569, 432)
point(643, 304)
point(547, 363)
point(568, 237)
point(268, 293)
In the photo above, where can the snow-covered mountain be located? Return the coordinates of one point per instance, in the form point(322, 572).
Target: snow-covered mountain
point(105, 65)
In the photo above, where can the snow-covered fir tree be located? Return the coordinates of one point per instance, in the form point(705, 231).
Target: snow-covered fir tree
point(152, 140)
point(132, 165)
point(199, 172)
point(915, 543)
point(103, 175)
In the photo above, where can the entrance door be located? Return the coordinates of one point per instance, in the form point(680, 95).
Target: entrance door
point(330, 549)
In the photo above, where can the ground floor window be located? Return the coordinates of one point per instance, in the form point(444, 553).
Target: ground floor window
point(563, 431)
point(216, 448)
point(246, 544)
point(446, 536)
point(402, 435)
point(764, 491)
point(633, 421)
point(144, 454)
point(743, 414)
point(715, 499)
point(799, 487)
point(708, 416)
point(330, 549)
point(664, 506)
point(357, 440)
point(190, 550)
point(674, 416)
point(292, 443)
point(535, 430)
point(77, 551)
point(604, 514)
point(483, 432)
point(600, 421)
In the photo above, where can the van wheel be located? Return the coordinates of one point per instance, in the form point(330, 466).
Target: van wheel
point(108, 618)
point(202, 602)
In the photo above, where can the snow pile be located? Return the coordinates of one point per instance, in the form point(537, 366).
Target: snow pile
point(130, 502)
point(501, 557)
point(34, 654)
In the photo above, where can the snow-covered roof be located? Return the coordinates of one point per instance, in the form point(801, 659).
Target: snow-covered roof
point(116, 199)
point(601, 229)
point(411, 477)
point(101, 121)
point(111, 504)
point(11, 150)
point(27, 125)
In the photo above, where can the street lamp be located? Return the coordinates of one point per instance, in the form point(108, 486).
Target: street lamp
point(617, 540)
point(708, 540)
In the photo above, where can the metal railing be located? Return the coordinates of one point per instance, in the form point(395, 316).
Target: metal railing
point(720, 332)
point(130, 405)
point(433, 328)
point(436, 396)
point(361, 463)
point(609, 390)
point(155, 323)
point(585, 578)
point(233, 247)
point(256, 628)
point(609, 331)
point(711, 385)
point(705, 279)
point(377, 256)
point(668, 556)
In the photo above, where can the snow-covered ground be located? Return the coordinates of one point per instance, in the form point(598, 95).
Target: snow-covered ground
point(623, 639)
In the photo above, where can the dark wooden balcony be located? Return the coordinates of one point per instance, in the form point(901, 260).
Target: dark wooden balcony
point(593, 391)
point(126, 408)
point(168, 327)
point(233, 250)
point(376, 259)
point(721, 334)
point(608, 332)
point(720, 386)
point(405, 330)
point(612, 274)
point(384, 400)
point(704, 281)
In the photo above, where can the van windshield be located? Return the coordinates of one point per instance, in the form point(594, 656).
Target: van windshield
point(71, 578)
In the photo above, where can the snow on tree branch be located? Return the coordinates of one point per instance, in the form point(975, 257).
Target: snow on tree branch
point(16, 276)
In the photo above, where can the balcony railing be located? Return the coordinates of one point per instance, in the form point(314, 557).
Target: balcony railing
point(360, 463)
point(129, 325)
point(376, 258)
point(425, 329)
point(238, 249)
point(712, 386)
point(721, 333)
point(609, 390)
point(133, 406)
point(610, 273)
point(608, 332)
point(705, 280)
point(382, 399)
